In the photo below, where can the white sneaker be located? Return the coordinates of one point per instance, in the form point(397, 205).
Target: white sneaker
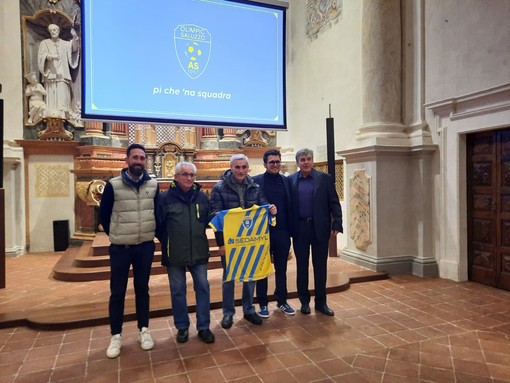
point(113, 350)
point(146, 342)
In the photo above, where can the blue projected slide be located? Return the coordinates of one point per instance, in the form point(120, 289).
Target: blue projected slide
point(197, 62)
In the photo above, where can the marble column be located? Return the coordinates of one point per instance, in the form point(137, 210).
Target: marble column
point(14, 202)
point(381, 71)
point(209, 138)
point(230, 139)
point(120, 129)
point(94, 134)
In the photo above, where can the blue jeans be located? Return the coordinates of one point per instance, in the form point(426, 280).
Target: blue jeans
point(121, 258)
point(227, 290)
point(177, 279)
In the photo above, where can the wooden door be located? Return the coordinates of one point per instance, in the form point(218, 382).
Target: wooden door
point(488, 189)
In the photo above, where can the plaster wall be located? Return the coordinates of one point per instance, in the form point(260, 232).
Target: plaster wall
point(43, 210)
point(10, 69)
point(466, 45)
point(320, 72)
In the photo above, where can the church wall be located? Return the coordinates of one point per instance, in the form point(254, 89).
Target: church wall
point(465, 52)
point(322, 71)
point(466, 45)
point(10, 69)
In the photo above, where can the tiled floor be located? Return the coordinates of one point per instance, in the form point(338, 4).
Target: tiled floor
point(404, 329)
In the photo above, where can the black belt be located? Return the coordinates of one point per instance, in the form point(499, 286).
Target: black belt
point(307, 220)
point(131, 246)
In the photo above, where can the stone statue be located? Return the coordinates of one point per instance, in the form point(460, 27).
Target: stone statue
point(56, 58)
point(35, 93)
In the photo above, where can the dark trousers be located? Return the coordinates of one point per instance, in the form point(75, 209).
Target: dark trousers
point(280, 246)
point(305, 239)
point(121, 258)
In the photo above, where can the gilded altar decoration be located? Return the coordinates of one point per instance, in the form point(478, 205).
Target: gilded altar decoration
point(359, 210)
point(51, 181)
point(321, 14)
point(55, 130)
point(255, 139)
point(90, 192)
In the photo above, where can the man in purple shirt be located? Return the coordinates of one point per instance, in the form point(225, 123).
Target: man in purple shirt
point(319, 218)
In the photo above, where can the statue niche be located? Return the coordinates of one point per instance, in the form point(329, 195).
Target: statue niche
point(52, 52)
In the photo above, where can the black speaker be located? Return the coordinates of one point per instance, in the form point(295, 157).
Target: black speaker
point(60, 235)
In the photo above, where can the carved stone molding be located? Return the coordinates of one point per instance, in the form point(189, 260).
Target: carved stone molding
point(359, 210)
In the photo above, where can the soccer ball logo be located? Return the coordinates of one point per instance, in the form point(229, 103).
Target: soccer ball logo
point(193, 48)
point(193, 51)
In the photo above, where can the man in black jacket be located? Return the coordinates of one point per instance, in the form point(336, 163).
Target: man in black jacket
point(184, 213)
point(236, 189)
point(276, 188)
point(319, 218)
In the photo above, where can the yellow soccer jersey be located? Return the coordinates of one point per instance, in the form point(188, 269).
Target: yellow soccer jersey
point(246, 236)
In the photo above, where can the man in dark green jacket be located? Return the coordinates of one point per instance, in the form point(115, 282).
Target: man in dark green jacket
point(183, 211)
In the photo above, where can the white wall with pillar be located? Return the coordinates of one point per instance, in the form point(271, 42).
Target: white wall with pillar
point(13, 181)
point(11, 79)
point(452, 119)
point(392, 158)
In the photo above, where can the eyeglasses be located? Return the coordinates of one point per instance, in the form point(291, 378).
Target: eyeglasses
point(237, 167)
point(186, 175)
point(274, 163)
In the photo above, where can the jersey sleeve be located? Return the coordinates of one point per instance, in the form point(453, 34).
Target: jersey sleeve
point(218, 220)
point(271, 217)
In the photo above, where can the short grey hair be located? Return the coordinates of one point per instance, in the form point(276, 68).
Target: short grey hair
point(239, 156)
point(304, 153)
point(179, 166)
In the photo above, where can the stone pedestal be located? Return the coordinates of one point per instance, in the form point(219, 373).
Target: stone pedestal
point(388, 216)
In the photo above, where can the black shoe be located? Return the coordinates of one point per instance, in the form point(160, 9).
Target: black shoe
point(182, 335)
point(305, 309)
point(325, 310)
point(253, 318)
point(227, 321)
point(206, 336)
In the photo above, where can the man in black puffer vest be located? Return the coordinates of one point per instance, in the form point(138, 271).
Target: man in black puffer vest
point(127, 213)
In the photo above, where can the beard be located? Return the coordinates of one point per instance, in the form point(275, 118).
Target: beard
point(135, 170)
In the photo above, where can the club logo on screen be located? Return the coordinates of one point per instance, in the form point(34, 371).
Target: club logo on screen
point(193, 48)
